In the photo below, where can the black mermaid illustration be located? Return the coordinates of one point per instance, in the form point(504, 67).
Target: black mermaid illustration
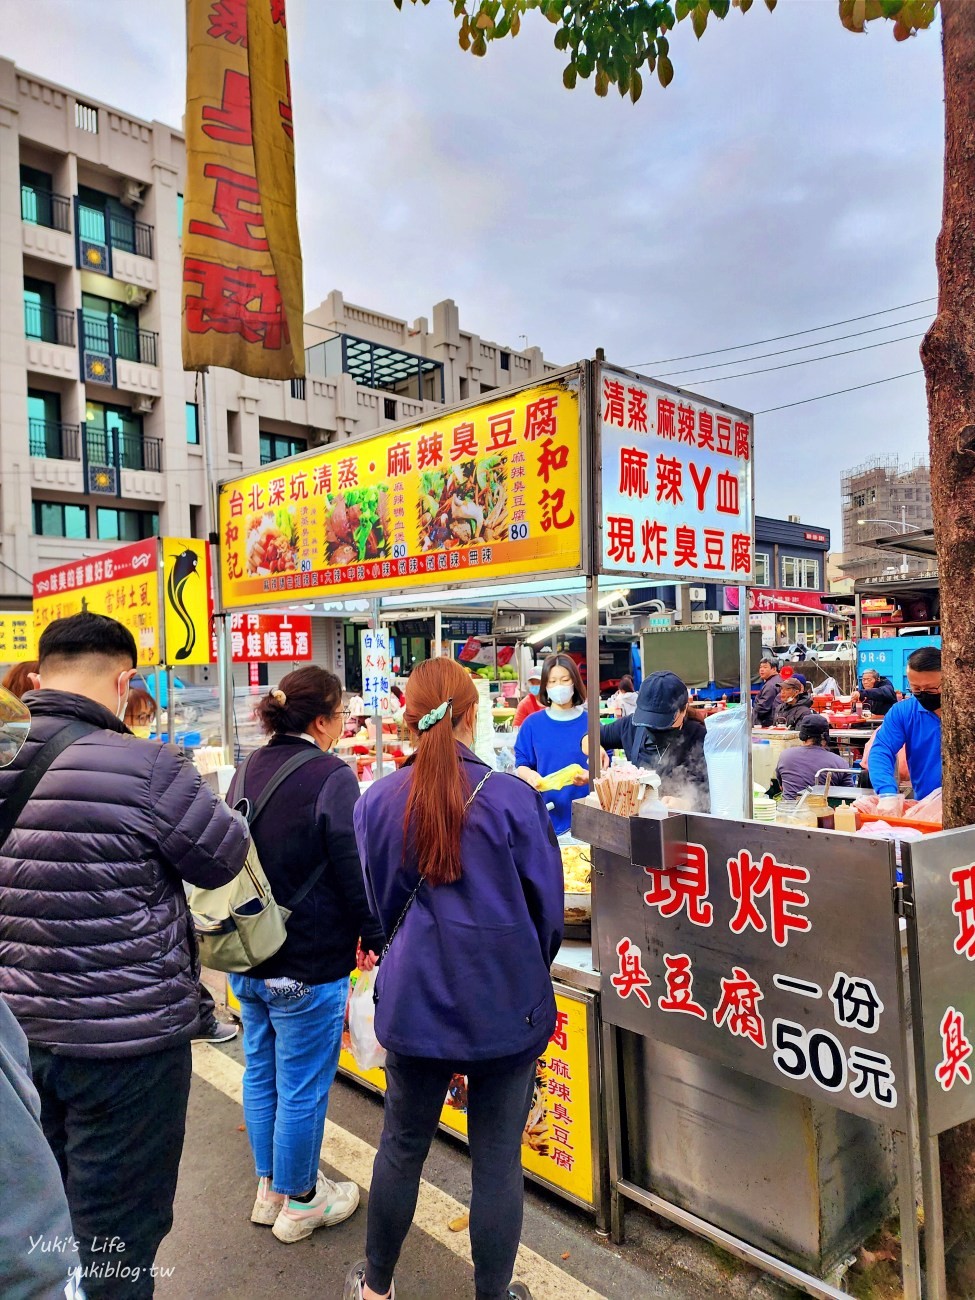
point(184, 566)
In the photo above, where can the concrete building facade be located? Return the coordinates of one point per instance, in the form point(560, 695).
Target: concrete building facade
point(101, 439)
point(880, 498)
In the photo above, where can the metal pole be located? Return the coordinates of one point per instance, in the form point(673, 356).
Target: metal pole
point(857, 618)
point(377, 716)
point(225, 667)
point(934, 1226)
point(745, 696)
point(592, 673)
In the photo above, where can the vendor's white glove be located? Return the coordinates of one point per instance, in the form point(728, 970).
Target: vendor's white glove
point(890, 805)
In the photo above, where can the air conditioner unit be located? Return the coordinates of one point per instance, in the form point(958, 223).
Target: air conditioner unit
point(136, 295)
point(697, 593)
point(133, 194)
point(143, 405)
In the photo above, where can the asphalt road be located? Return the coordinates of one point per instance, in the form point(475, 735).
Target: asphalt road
point(215, 1253)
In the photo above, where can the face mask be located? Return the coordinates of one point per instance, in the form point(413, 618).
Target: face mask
point(533, 688)
point(561, 694)
point(930, 700)
point(122, 700)
point(142, 732)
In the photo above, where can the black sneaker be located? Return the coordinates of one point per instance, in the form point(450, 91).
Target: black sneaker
point(518, 1291)
point(219, 1032)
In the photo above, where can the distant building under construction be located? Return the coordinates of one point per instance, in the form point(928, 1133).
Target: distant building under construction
point(882, 497)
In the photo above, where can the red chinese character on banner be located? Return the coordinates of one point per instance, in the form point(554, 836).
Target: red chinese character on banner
point(714, 549)
point(685, 547)
point(559, 1068)
point(348, 472)
point(563, 1159)
point(429, 450)
point(670, 477)
point(298, 487)
point(278, 15)
point(665, 418)
point(631, 977)
point(727, 494)
point(684, 884)
point(275, 492)
point(776, 880)
point(321, 480)
point(555, 1088)
point(654, 538)
point(553, 510)
point(228, 22)
point(724, 435)
point(701, 482)
point(741, 552)
point(236, 503)
point(636, 410)
point(231, 122)
point(237, 207)
point(256, 498)
point(398, 459)
point(619, 539)
point(234, 300)
point(614, 396)
point(540, 419)
point(686, 425)
point(740, 997)
point(705, 431)
point(963, 878)
point(463, 443)
point(551, 458)
point(742, 440)
point(956, 1049)
point(680, 980)
point(633, 472)
point(501, 430)
point(560, 1036)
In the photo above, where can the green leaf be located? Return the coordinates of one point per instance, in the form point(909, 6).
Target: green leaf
point(636, 86)
point(770, 4)
point(561, 38)
point(683, 8)
point(479, 47)
point(699, 20)
point(569, 76)
point(602, 83)
point(665, 71)
point(484, 21)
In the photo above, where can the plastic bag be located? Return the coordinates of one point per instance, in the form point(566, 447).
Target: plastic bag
point(366, 1049)
point(724, 751)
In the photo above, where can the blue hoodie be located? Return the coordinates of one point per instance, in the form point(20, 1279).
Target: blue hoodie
point(907, 725)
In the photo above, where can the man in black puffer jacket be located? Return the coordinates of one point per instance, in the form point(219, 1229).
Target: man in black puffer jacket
point(97, 959)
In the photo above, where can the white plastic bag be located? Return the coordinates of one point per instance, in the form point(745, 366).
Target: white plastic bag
point(368, 1053)
point(724, 753)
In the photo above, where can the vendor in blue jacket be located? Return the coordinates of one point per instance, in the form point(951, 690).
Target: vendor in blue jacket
point(914, 725)
point(552, 738)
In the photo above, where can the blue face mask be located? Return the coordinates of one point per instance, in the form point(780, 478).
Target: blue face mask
point(534, 688)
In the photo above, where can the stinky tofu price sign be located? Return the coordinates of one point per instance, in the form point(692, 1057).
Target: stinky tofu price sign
point(376, 670)
point(18, 640)
point(490, 491)
point(777, 956)
point(675, 481)
point(940, 870)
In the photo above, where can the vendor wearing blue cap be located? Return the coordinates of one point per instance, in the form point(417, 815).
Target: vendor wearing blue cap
point(659, 735)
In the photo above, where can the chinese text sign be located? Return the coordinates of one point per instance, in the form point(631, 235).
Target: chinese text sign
point(675, 472)
point(376, 670)
point(269, 638)
point(18, 641)
point(486, 492)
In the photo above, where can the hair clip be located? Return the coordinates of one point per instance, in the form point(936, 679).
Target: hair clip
point(434, 716)
point(278, 696)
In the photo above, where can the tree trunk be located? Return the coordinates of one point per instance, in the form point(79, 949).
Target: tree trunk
point(948, 353)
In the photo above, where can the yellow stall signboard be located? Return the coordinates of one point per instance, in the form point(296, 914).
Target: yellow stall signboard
point(492, 491)
point(124, 584)
point(18, 640)
point(557, 1142)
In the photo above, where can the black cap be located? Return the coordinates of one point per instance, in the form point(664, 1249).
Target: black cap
point(661, 698)
point(813, 725)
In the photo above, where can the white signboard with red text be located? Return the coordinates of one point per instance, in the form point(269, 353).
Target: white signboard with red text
point(675, 481)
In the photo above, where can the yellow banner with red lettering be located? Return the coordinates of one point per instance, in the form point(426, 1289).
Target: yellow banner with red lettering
point(242, 289)
point(492, 491)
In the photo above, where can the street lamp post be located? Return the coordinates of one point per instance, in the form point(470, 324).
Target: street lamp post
point(892, 523)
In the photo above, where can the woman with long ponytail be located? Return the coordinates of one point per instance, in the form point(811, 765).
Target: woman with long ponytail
point(463, 870)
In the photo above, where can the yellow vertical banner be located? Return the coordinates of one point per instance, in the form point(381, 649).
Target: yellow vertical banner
point(242, 294)
point(186, 600)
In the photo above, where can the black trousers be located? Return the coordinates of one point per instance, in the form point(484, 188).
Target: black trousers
point(497, 1108)
point(116, 1129)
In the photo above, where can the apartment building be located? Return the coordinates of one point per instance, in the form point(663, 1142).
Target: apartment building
point(880, 498)
point(100, 427)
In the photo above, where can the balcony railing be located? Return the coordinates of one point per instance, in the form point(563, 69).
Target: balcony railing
point(45, 208)
point(49, 324)
point(54, 441)
point(103, 226)
point(118, 339)
point(121, 450)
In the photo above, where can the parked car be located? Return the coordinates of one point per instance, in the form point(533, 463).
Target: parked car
point(833, 652)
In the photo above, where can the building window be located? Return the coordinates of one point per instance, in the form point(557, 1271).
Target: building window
point(113, 436)
point(40, 319)
point(59, 519)
point(389, 408)
point(192, 424)
point(36, 197)
point(126, 525)
point(275, 446)
point(179, 217)
point(44, 423)
point(504, 360)
point(800, 573)
point(761, 570)
point(111, 327)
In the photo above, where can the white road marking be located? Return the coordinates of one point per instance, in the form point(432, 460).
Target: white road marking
point(353, 1158)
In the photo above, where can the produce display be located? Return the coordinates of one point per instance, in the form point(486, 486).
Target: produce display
point(357, 527)
point(463, 505)
point(272, 542)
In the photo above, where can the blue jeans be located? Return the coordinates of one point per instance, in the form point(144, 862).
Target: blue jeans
point(292, 1037)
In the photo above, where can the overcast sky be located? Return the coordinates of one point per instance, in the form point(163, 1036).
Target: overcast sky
point(789, 177)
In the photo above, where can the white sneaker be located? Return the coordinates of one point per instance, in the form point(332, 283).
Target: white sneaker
point(268, 1204)
point(332, 1203)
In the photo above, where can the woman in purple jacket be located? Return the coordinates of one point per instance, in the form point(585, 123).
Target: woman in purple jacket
point(463, 870)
